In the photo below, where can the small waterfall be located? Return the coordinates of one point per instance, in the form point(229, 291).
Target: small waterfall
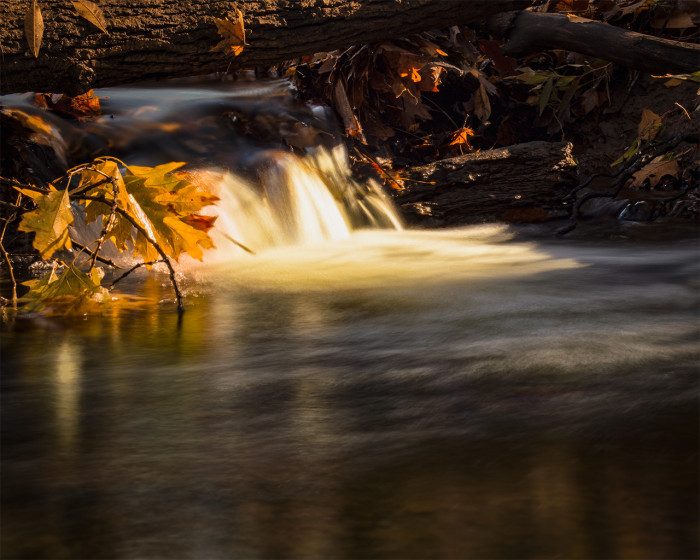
point(296, 201)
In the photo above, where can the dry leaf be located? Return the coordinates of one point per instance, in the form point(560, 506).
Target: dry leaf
point(654, 171)
point(232, 33)
point(649, 125)
point(34, 28)
point(461, 136)
point(91, 12)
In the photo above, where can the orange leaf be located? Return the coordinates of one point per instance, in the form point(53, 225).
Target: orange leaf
point(232, 33)
point(80, 106)
point(202, 223)
point(461, 136)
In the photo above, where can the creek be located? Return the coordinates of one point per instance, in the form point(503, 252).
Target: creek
point(361, 392)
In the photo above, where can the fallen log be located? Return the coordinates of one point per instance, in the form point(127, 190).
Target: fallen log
point(527, 32)
point(521, 183)
point(161, 38)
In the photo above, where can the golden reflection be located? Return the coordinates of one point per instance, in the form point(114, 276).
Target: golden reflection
point(67, 386)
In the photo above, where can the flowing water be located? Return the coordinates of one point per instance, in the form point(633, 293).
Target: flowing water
point(351, 391)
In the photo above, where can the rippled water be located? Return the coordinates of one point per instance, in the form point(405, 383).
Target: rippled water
point(454, 394)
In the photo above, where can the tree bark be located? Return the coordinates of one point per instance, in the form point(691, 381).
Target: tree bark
point(528, 32)
point(524, 182)
point(161, 38)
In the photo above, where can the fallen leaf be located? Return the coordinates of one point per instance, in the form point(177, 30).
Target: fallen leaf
point(649, 125)
point(34, 28)
point(232, 33)
point(80, 106)
point(91, 12)
point(654, 171)
point(352, 124)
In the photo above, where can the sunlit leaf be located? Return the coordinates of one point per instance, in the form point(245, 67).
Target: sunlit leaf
point(78, 107)
point(31, 122)
point(232, 33)
point(92, 13)
point(49, 222)
point(34, 28)
point(461, 136)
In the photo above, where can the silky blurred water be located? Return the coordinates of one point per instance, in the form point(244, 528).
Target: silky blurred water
point(474, 393)
point(455, 394)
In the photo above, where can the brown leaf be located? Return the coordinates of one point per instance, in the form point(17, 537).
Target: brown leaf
point(232, 33)
point(34, 28)
point(649, 125)
point(78, 107)
point(91, 12)
point(654, 171)
point(352, 125)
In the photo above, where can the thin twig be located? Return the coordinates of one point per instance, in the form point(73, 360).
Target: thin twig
point(9, 267)
point(156, 246)
point(113, 282)
point(13, 183)
point(101, 259)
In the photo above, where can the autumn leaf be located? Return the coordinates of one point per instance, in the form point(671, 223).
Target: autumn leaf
point(232, 33)
point(73, 291)
point(34, 28)
point(655, 170)
point(49, 222)
point(78, 107)
point(92, 13)
point(461, 136)
point(649, 126)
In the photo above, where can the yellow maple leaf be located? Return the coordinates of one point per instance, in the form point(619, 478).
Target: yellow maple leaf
point(49, 222)
point(232, 33)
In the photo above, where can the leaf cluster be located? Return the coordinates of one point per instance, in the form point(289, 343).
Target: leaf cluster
point(151, 213)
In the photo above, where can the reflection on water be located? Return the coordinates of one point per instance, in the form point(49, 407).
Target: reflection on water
point(452, 394)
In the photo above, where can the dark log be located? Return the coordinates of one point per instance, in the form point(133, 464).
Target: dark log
point(524, 182)
point(528, 32)
point(161, 38)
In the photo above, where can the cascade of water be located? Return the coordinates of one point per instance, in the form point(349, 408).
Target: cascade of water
point(297, 201)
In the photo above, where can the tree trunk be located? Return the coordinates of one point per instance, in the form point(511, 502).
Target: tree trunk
point(528, 32)
point(524, 182)
point(161, 38)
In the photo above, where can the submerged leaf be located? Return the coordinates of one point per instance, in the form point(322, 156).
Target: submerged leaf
point(49, 222)
point(72, 291)
point(91, 12)
point(34, 28)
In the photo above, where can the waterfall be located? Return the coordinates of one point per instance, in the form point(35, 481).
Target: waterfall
point(296, 200)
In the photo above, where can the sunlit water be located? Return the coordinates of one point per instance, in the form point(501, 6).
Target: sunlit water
point(471, 393)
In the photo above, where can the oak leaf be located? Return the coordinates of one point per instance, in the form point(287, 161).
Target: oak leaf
point(92, 13)
point(232, 33)
point(655, 170)
point(34, 28)
point(49, 222)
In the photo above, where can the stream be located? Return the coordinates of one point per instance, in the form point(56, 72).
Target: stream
point(364, 392)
